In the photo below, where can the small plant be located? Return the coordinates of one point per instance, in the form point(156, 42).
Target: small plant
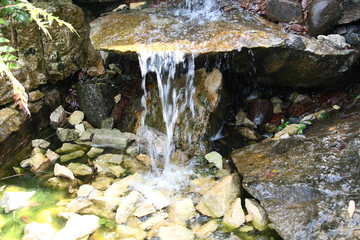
point(323, 116)
point(283, 124)
point(107, 223)
point(301, 128)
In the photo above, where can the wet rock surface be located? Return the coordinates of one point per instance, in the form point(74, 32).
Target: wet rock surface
point(308, 181)
point(280, 57)
point(42, 59)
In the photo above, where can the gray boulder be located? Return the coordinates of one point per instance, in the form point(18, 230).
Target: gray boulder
point(96, 102)
point(284, 11)
point(307, 182)
point(323, 15)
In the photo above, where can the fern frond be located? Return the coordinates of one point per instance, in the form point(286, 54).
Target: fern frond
point(44, 19)
point(19, 91)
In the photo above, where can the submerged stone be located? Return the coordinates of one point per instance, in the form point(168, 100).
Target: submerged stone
point(78, 226)
point(15, 200)
point(36, 230)
point(72, 156)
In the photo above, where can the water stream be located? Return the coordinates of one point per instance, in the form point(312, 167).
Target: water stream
point(175, 96)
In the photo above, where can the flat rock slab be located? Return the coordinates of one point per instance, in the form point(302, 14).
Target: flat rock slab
point(306, 183)
point(166, 30)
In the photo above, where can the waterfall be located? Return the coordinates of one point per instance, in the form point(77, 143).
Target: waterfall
point(175, 95)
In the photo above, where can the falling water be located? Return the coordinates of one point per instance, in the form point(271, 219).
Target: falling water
point(175, 95)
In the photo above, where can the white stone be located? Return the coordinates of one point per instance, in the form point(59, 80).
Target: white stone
point(175, 232)
point(117, 171)
point(76, 117)
point(62, 171)
point(111, 138)
point(52, 156)
point(235, 217)
point(58, 117)
point(80, 128)
point(183, 209)
point(41, 143)
point(15, 200)
point(117, 98)
point(334, 40)
point(38, 231)
point(39, 162)
point(85, 190)
point(137, 5)
point(248, 123)
point(77, 204)
point(259, 214)
point(285, 136)
point(206, 229)
point(77, 227)
point(144, 209)
point(127, 206)
point(130, 233)
point(216, 158)
point(106, 202)
point(291, 129)
point(154, 220)
point(216, 201)
point(25, 163)
point(118, 188)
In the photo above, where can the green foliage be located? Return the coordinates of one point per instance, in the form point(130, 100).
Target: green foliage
point(107, 223)
point(301, 128)
point(283, 124)
point(22, 11)
point(323, 116)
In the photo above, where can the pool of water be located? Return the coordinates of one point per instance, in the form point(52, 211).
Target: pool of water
point(48, 202)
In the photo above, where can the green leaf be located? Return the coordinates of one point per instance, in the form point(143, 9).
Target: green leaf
point(102, 221)
point(9, 57)
point(12, 65)
point(3, 40)
point(110, 224)
point(7, 49)
point(2, 21)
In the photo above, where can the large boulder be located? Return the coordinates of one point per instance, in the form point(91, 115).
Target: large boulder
point(307, 183)
point(279, 57)
point(44, 59)
point(96, 101)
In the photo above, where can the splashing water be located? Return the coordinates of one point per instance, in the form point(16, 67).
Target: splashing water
point(175, 95)
point(200, 10)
